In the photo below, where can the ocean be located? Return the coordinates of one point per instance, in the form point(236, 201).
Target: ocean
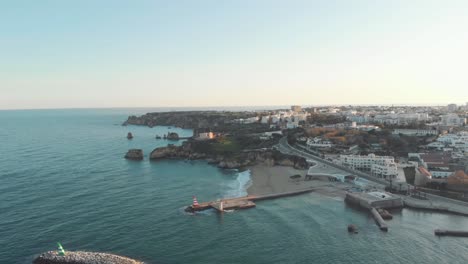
point(63, 179)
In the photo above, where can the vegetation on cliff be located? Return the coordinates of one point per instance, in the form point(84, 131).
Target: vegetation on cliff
point(231, 152)
point(188, 119)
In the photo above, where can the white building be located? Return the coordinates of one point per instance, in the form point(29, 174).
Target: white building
point(401, 118)
point(378, 166)
point(265, 119)
point(416, 132)
point(318, 142)
point(249, 120)
point(205, 136)
point(358, 118)
point(440, 174)
point(452, 120)
point(292, 125)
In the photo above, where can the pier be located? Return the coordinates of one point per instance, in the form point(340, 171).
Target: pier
point(239, 203)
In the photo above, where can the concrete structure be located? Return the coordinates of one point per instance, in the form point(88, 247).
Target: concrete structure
point(378, 166)
point(370, 200)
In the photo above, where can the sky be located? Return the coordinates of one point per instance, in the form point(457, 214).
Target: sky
point(137, 53)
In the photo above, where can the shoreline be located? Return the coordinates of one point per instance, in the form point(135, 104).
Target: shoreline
point(268, 180)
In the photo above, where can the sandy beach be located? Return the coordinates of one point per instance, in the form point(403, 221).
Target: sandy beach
point(276, 179)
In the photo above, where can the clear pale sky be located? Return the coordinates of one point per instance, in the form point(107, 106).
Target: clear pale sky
point(89, 53)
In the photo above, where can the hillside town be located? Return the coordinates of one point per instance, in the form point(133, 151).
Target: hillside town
point(423, 146)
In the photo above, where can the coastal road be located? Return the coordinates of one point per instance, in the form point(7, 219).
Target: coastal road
point(284, 147)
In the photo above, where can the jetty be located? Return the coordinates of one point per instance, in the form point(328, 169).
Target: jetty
point(244, 202)
point(379, 220)
point(442, 232)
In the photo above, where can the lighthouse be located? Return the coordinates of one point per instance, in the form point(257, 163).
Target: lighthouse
point(195, 202)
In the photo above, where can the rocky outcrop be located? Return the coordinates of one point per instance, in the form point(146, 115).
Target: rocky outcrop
point(186, 119)
point(82, 257)
point(134, 154)
point(230, 161)
point(129, 135)
point(172, 136)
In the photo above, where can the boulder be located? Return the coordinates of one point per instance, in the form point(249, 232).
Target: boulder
point(172, 136)
point(129, 135)
point(352, 229)
point(134, 154)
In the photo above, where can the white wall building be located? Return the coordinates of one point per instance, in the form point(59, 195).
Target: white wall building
point(452, 120)
point(207, 135)
point(265, 119)
point(378, 166)
point(317, 142)
point(416, 132)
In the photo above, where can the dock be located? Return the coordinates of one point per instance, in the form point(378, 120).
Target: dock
point(244, 202)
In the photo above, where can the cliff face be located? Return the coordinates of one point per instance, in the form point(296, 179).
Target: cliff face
point(229, 160)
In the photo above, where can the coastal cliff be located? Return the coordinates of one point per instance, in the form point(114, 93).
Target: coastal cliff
point(187, 119)
point(233, 159)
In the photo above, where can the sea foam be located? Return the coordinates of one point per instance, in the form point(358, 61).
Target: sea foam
point(239, 186)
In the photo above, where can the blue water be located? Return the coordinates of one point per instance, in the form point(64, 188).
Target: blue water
point(63, 178)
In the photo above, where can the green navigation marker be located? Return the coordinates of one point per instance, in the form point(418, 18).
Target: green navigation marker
point(61, 251)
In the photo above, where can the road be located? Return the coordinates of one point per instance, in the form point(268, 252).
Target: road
point(284, 147)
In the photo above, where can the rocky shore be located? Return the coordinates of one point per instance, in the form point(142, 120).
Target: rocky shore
point(82, 257)
point(192, 150)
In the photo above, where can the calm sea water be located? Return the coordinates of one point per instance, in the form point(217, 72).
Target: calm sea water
point(63, 178)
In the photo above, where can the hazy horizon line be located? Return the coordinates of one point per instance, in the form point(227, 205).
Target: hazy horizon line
point(230, 106)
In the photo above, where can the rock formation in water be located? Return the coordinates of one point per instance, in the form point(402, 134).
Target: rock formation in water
point(129, 135)
point(172, 136)
point(134, 154)
point(81, 257)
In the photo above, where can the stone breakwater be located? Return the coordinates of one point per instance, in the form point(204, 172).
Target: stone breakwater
point(81, 257)
point(230, 161)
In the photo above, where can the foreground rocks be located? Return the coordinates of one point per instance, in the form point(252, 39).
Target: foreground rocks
point(134, 154)
point(229, 160)
point(82, 257)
